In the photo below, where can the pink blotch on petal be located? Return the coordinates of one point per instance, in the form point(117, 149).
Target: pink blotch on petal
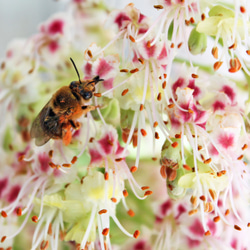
point(9, 54)
point(119, 149)
point(106, 143)
point(88, 69)
point(14, 191)
point(185, 115)
point(234, 243)
point(95, 156)
point(44, 160)
point(141, 17)
point(213, 150)
point(163, 53)
point(57, 173)
point(217, 105)
point(193, 243)
point(199, 114)
point(140, 245)
point(103, 68)
point(212, 227)
point(53, 46)
point(56, 26)
point(150, 51)
point(108, 84)
point(179, 83)
point(121, 18)
point(3, 185)
point(181, 209)
point(167, 2)
point(196, 89)
point(197, 228)
point(165, 207)
point(142, 31)
point(229, 92)
point(175, 123)
point(226, 140)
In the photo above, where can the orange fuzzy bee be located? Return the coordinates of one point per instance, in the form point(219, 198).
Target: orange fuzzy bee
point(59, 115)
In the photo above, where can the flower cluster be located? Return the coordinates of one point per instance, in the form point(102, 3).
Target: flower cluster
point(159, 158)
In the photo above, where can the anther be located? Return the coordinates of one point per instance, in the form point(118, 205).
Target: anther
point(113, 199)
point(97, 94)
point(118, 159)
point(194, 76)
point(207, 161)
point(157, 135)
point(124, 70)
point(34, 218)
point(248, 52)
point(4, 214)
point(158, 7)
point(132, 71)
point(227, 212)
point(21, 157)
point(217, 65)
point(233, 46)
point(235, 65)
point(105, 231)
point(141, 107)
point(131, 213)
point(203, 198)
point(148, 44)
point(187, 22)
point(103, 211)
point(199, 147)
point(144, 187)
point(131, 39)
point(193, 200)
point(50, 153)
point(19, 211)
point(215, 52)
point(136, 234)
point(106, 176)
point(44, 245)
point(133, 169)
point(171, 105)
point(164, 84)
point(159, 96)
point(237, 227)
point(172, 45)
point(242, 9)
point(177, 136)
point(248, 224)
point(143, 132)
point(163, 172)
point(165, 75)
point(175, 144)
point(141, 60)
point(216, 219)
point(185, 166)
point(52, 165)
point(155, 124)
point(192, 20)
point(207, 233)
point(154, 158)
point(50, 229)
point(74, 159)
point(148, 192)
point(89, 53)
point(125, 193)
point(3, 238)
point(124, 92)
point(240, 157)
point(212, 193)
point(244, 147)
point(203, 17)
point(66, 165)
point(191, 212)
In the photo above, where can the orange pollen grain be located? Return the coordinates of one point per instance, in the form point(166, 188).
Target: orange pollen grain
point(191, 212)
point(141, 60)
point(74, 159)
point(97, 94)
point(159, 96)
point(244, 147)
point(203, 198)
point(103, 211)
point(157, 135)
point(155, 124)
point(3, 238)
point(171, 105)
point(143, 132)
point(164, 84)
point(148, 44)
point(203, 16)
point(233, 46)
point(133, 169)
point(50, 153)
point(194, 76)
point(192, 20)
point(237, 227)
point(165, 75)
point(185, 166)
point(242, 9)
point(19, 211)
point(158, 7)
point(136, 234)
point(44, 245)
point(227, 212)
point(125, 193)
point(131, 39)
point(216, 219)
point(207, 233)
point(106, 176)
point(131, 213)
point(172, 45)
point(175, 144)
point(66, 165)
point(207, 161)
point(89, 53)
point(144, 187)
point(34, 218)
point(118, 159)
point(124, 92)
point(187, 22)
point(105, 231)
point(113, 199)
point(132, 71)
point(124, 70)
point(179, 45)
point(177, 136)
point(4, 214)
point(217, 65)
point(148, 192)
point(52, 165)
point(240, 157)
point(141, 107)
point(215, 52)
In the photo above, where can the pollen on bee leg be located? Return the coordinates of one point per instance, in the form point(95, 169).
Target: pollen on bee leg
point(44, 245)
point(131, 213)
point(105, 231)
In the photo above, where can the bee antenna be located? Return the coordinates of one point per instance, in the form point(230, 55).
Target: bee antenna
point(75, 69)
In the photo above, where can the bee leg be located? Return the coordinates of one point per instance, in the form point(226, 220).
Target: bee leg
point(66, 133)
point(75, 125)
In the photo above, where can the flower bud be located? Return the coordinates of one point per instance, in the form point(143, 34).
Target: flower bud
point(197, 42)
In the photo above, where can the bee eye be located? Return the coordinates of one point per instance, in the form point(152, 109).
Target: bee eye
point(86, 94)
point(73, 85)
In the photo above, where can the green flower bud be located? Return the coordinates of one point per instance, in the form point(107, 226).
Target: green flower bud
point(221, 11)
point(197, 42)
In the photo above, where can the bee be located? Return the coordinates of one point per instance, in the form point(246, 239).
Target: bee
point(59, 115)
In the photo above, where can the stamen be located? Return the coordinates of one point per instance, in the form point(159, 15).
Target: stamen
point(133, 169)
point(34, 218)
point(19, 211)
point(136, 234)
point(105, 231)
point(179, 45)
point(74, 159)
point(118, 159)
point(131, 39)
point(50, 229)
point(240, 157)
point(89, 53)
point(132, 71)
point(131, 213)
point(103, 211)
point(4, 214)
point(194, 76)
point(212, 193)
point(191, 212)
point(217, 65)
point(193, 200)
point(192, 20)
point(207, 161)
point(242, 9)
point(141, 60)
point(215, 52)
point(97, 94)
point(125, 193)
point(155, 124)
point(177, 136)
point(143, 132)
point(237, 227)
point(66, 165)
point(148, 192)
point(216, 219)
point(44, 245)
point(124, 70)
point(124, 92)
point(207, 233)
point(227, 212)
point(50, 153)
point(175, 144)
point(158, 7)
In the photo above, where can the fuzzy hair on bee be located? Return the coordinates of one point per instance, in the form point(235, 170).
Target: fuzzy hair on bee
point(60, 114)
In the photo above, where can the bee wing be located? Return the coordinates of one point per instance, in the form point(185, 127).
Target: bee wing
point(45, 126)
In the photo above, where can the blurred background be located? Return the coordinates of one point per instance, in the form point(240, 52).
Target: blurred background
point(21, 18)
